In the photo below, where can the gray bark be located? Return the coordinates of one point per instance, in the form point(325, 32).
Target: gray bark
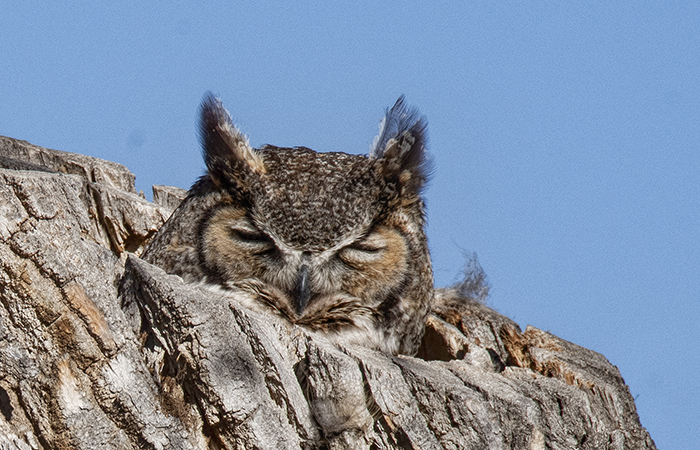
point(99, 349)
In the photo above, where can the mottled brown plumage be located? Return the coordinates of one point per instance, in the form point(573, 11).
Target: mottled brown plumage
point(330, 241)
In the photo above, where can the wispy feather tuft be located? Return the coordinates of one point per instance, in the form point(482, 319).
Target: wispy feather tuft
point(474, 284)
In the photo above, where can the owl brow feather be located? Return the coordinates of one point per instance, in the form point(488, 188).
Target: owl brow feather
point(225, 148)
point(400, 148)
point(395, 122)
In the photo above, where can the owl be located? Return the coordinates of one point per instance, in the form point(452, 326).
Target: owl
point(331, 242)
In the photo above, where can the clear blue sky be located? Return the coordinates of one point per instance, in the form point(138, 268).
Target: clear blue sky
point(565, 137)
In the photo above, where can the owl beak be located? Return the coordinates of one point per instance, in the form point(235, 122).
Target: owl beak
point(302, 290)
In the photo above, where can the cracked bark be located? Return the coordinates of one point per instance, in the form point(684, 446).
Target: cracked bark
point(99, 349)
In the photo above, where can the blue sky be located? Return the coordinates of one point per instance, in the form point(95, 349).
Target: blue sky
point(565, 138)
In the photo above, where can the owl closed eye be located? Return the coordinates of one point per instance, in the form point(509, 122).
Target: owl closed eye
point(332, 242)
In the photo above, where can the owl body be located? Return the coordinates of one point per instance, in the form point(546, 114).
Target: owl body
point(331, 242)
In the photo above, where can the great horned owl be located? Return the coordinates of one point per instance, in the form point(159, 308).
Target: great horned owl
point(332, 242)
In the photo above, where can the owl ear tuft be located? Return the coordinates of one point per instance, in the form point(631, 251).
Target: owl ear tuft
point(400, 148)
point(227, 154)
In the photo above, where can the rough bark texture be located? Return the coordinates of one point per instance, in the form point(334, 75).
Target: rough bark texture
point(99, 349)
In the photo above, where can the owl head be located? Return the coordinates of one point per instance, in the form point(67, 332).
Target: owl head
point(332, 242)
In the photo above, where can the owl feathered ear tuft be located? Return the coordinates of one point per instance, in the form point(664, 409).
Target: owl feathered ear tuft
point(401, 148)
point(227, 154)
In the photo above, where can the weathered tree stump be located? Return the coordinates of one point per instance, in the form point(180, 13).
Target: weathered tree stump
point(99, 349)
